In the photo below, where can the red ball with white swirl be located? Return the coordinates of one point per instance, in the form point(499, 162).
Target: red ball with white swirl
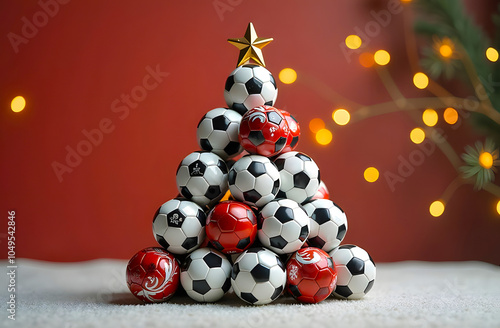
point(311, 275)
point(264, 131)
point(153, 275)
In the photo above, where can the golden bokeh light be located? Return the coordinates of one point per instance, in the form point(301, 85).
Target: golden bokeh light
point(17, 104)
point(366, 59)
point(287, 75)
point(486, 160)
point(324, 137)
point(382, 57)
point(498, 207)
point(450, 115)
point(492, 54)
point(420, 80)
point(445, 51)
point(341, 116)
point(437, 208)
point(417, 135)
point(316, 124)
point(353, 41)
point(430, 117)
point(371, 174)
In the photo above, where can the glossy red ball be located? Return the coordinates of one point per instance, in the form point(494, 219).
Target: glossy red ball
point(263, 131)
point(231, 227)
point(153, 275)
point(294, 135)
point(311, 275)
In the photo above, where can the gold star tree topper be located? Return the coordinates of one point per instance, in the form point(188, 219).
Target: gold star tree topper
point(250, 46)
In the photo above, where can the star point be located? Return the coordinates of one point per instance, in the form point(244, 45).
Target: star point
point(250, 46)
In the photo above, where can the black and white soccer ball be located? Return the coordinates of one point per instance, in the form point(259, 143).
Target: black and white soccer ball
point(299, 176)
point(205, 275)
point(218, 132)
point(328, 224)
point(258, 276)
point(283, 226)
point(249, 86)
point(179, 226)
point(202, 178)
point(254, 180)
point(356, 272)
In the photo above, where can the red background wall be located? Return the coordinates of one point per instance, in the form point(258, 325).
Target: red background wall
point(74, 71)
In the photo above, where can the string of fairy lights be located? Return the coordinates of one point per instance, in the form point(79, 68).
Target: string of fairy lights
point(487, 159)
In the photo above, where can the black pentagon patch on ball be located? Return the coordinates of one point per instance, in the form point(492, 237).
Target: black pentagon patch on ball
point(294, 142)
point(369, 286)
point(268, 103)
point(342, 231)
point(260, 273)
point(277, 292)
point(257, 169)
point(222, 166)
point(220, 123)
point(284, 214)
point(356, 266)
point(294, 290)
point(255, 250)
point(343, 291)
point(235, 271)
point(229, 82)
point(280, 163)
point(240, 108)
point(316, 242)
point(281, 194)
point(190, 242)
point(256, 137)
point(186, 193)
point(276, 187)
point(303, 157)
point(162, 241)
point(232, 148)
point(175, 218)
point(249, 298)
point(253, 86)
point(304, 233)
point(227, 285)
point(321, 215)
point(201, 286)
point(217, 245)
point(213, 260)
point(274, 117)
point(252, 196)
point(202, 217)
point(278, 242)
point(213, 192)
point(371, 260)
point(187, 263)
point(205, 145)
point(280, 263)
point(271, 77)
point(231, 178)
point(197, 169)
point(280, 143)
point(301, 180)
point(243, 243)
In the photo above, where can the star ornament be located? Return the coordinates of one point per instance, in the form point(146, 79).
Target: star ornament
point(250, 46)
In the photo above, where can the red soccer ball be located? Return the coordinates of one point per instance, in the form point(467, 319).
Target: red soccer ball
point(231, 227)
point(153, 275)
point(294, 135)
point(264, 131)
point(311, 275)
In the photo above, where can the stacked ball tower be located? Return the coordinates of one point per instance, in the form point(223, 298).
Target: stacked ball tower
point(252, 213)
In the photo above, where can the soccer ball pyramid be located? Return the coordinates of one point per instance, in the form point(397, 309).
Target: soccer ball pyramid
point(259, 223)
